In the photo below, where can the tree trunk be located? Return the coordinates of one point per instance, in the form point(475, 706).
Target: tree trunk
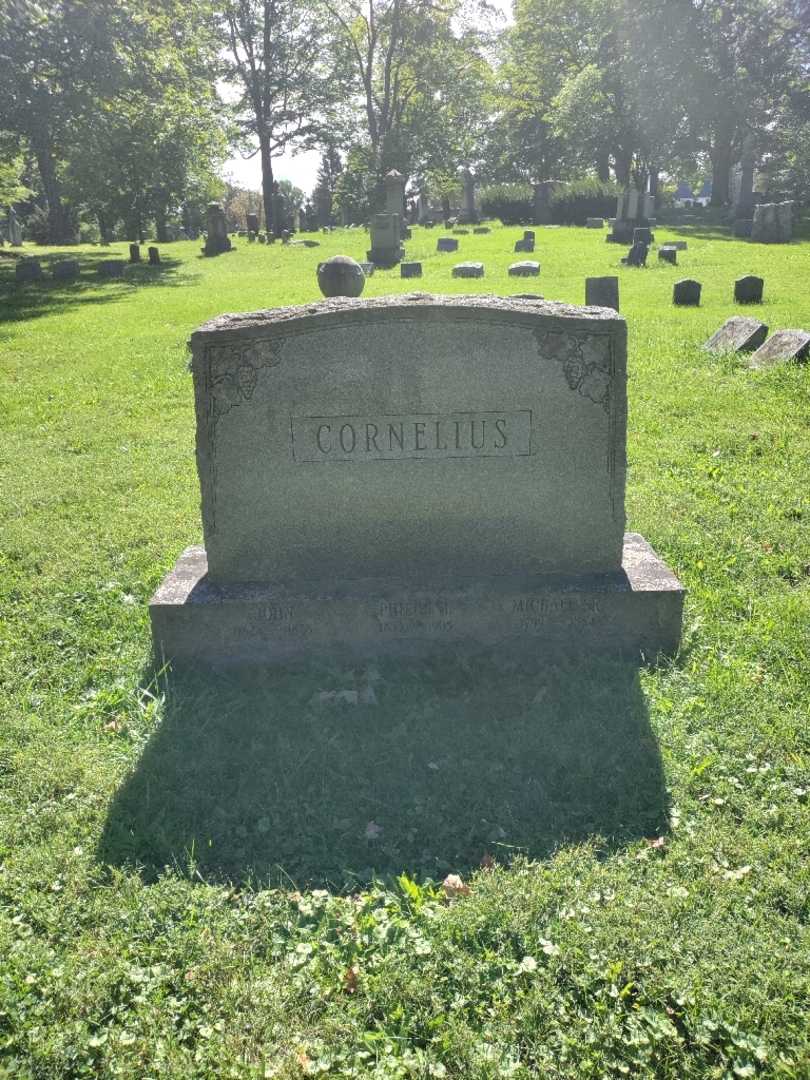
point(721, 167)
point(161, 228)
point(272, 225)
point(621, 166)
point(603, 167)
point(59, 230)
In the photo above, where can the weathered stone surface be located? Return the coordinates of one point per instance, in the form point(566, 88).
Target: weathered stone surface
point(594, 223)
point(446, 243)
point(782, 346)
point(738, 334)
point(772, 223)
point(217, 240)
point(386, 245)
point(635, 610)
point(748, 290)
point(66, 270)
point(643, 235)
point(602, 292)
point(636, 256)
point(525, 245)
point(686, 293)
point(28, 269)
point(341, 276)
point(154, 256)
point(111, 268)
point(410, 269)
point(668, 253)
point(527, 268)
point(134, 253)
point(468, 270)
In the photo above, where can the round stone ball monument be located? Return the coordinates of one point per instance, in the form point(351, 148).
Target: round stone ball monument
point(341, 276)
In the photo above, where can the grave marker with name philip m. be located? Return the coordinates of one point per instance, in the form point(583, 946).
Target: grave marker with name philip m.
point(403, 473)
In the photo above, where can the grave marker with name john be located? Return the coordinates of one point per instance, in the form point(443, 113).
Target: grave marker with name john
point(406, 472)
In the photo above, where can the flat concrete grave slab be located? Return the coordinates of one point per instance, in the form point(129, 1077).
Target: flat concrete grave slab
point(468, 269)
point(401, 473)
point(737, 334)
point(527, 268)
point(782, 346)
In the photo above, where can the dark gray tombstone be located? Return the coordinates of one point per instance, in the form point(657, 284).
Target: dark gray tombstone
point(594, 223)
point(468, 270)
point(772, 223)
point(686, 293)
point(154, 256)
point(528, 234)
point(66, 270)
point(134, 253)
point(111, 268)
point(446, 243)
point(217, 240)
point(669, 254)
point(251, 237)
point(27, 269)
point(461, 232)
point(252, 221)
point(526, 246)
point(636, 256)
point(364, 514)
point(738, 334)
point(386, 240)
point(748, 290)
point(782, 346)
point(642, 235)
point(742, 228)
point(481, 230)
point(410, 269)
point(527, 268)
point(602, 292)
point(341, 276)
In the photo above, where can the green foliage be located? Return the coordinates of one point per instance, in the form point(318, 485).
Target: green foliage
point(572, 203)
point(512, 203)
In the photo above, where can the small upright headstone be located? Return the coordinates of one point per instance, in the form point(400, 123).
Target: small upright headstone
point(527, 268)
point(13, 228)
point(446, 243)
point(286, 236)
point(111, 268)
point(27, 269)
point(738, 334)
point(686, 293)
point(468, 269)
point(461, 232)
point(642, 235)
point(410, 269)
point(602, 292)
point(481, 230)
point(134, 253)
point(528, 234)
point(636, 256)
point(66, 270)
point(526, 246)
point(217, 240)
point(154, 256)
point(252, 221)
point(748, 290)
point(341, 276)
point(668, 253)
point(782, 346)
point(594, 223)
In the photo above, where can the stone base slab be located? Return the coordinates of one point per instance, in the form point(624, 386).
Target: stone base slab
point(634, 612)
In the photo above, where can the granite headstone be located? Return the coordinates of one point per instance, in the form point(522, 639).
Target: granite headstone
point(738, 334)
point(782, 346)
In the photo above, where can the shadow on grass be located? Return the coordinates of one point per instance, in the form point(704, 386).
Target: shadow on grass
point(31, 300)
point(248, 779)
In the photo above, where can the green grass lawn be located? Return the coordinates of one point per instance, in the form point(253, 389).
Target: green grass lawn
point(216, 876)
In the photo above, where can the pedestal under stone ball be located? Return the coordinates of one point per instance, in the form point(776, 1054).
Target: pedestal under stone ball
point(341, 276)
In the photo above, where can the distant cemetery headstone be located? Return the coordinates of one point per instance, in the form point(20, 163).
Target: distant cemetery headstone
point(742, 228)
point(782, 346)
point(386, 245)
point(410, 269)
point(134, 253)
point(529, 234)
point(679, 245)
point(217, 240)
point(469, 214)
point(394, 183)
point(481, 230)
point(111, 268)
point(668, 253)
point(468, 269)
point(341, 276)
point(446, 243)
point(748, 289)
point(66, 270)
point(461, 232)
point(602, 292)
point(772, 223)
point(252, 222)
point(637, 255)
point(526, 245)
point(154, 256)
point(527, 268)
point(407, 473)
point(643, 235)
point(594, 223)
point(28, 269)
point(686, 293)
point(737, 334)
point(13, 228)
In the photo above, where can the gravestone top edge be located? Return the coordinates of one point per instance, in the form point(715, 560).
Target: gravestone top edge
point(320, 314)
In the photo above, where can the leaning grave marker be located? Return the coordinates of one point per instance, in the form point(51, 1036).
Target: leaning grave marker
point(394, 474)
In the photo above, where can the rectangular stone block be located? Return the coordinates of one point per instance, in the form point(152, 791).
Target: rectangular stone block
point(633, 611)
point(782, 346)
point(737, 334)
point(370, 438)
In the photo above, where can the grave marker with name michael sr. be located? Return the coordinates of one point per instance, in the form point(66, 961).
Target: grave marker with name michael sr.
point(394, 474)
